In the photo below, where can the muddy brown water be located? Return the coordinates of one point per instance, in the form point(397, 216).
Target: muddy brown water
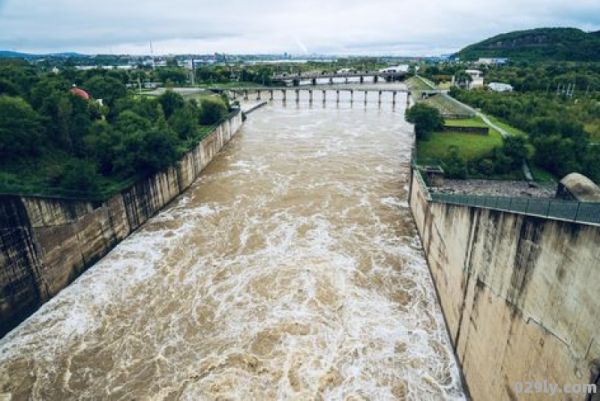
point(291, 270)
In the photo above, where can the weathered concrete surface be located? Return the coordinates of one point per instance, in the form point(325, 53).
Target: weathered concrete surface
point(46, 243)
point(519, 293)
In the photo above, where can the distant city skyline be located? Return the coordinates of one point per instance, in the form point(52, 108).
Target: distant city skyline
point(350, 27)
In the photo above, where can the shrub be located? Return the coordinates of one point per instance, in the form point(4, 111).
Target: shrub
point(425, 118)
point(212, 110)
point(454, 165)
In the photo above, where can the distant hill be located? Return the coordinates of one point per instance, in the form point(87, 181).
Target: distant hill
point(11, 54)
point(560, 44)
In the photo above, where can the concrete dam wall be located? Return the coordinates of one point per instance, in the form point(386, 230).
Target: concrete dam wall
point(46, 243)
point(519, 294)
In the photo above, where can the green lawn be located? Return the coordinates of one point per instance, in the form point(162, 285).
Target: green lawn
point(417, 84)
point(540, 175)
point(508, 128)
point(227, 85)
point(470, 146)
point(466, 122)
point(445, 105)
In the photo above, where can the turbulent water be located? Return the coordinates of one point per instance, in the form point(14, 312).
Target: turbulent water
point(291, 270)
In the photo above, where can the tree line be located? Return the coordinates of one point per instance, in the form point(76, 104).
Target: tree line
point(53, 138)
point(554, 126)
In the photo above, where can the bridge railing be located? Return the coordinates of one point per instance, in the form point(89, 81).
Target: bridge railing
point(584, 212)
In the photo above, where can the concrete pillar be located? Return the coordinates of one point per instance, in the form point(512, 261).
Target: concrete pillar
point(271, 94)
point(375, 78)
point(245, 95)
point(314, 81)
point(324, 95)
point(394, 97)
point(310, 95)
point(337, 96)
point(284, 92)
point(379, 99)
point(362, 79)
point(351, 95)
point(366, 92)
point(297, 95)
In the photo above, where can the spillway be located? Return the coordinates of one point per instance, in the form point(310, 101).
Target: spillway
point(291, 270)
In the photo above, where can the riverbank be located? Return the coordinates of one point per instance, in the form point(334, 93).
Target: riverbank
point(48, 242)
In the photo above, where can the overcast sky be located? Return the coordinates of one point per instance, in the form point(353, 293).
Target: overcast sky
point(400, 27)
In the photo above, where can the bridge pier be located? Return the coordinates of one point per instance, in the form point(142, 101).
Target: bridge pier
point(284, 93)
point(351, 95)
point(324, 95)
point(271, 95)
point(313, 81)
point(366, 92)
point(245, 94)
point(258, 94)
point(297, 95)
point(362, 79)
point(331, 81)
point(379, 98)
point(296, 82)
point(337, 96)
point(394, 98)
point(346, 79)
point(310, 96)
point(375, 78)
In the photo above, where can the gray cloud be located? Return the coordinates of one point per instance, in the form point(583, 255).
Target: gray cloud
point(237, 26)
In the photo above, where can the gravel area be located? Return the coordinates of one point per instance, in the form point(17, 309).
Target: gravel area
point(495, 188)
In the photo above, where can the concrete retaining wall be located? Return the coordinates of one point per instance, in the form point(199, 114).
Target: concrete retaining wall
point(46, 243)
point(519, 293)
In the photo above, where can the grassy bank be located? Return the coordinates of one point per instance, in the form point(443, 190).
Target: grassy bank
point(470, 146)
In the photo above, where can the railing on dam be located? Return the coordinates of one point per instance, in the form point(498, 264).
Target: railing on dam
point(584, 212)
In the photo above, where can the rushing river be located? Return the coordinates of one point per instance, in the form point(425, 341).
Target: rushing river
point(291, 270)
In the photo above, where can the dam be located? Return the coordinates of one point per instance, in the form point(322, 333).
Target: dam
point(291, 269)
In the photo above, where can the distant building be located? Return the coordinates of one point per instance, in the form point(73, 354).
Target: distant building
point(80, 92)
point(492, 61)
point(500, 87)
point(475, 82)
point(395, 69)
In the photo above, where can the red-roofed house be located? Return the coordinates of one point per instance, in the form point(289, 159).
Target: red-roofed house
point(80, 92)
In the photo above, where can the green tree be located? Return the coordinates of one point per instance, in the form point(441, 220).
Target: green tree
point(184, 121)
point(21, 129)
point(171, 102)
point(426, 119)
point(212, 110)
point(107, 88)
point(455, 165)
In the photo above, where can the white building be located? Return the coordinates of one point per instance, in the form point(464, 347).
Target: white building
point(500, 87)
point(395, 69)
point(492, 61)
point(476, 78)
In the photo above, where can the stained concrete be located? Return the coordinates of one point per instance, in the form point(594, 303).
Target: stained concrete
point(46, 243)
point(519, 294)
